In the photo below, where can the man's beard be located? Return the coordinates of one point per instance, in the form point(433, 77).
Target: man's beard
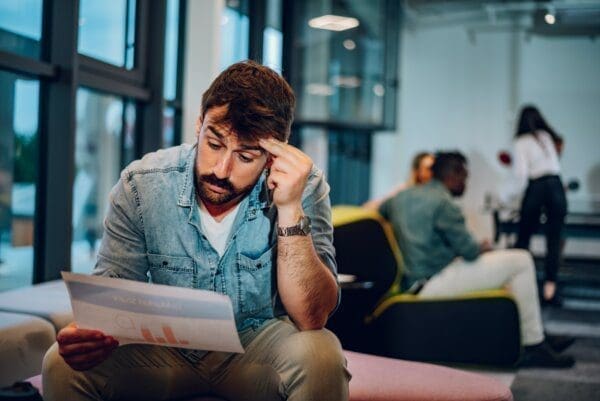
point(214, 198)
point(457, 192)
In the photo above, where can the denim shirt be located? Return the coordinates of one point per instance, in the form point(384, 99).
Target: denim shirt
point(430, 230)
point(153, 233)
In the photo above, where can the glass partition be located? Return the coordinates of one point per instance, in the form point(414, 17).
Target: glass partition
point(107, 33)
point(340, 69)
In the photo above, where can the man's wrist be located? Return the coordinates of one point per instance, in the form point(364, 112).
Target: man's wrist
point(289, 215)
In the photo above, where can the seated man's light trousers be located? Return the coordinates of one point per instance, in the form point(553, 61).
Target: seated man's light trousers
point(512, 268)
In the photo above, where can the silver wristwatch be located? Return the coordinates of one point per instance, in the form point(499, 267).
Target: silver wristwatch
point(302, 228)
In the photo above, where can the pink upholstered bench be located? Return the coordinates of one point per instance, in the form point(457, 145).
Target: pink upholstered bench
point(376, 378)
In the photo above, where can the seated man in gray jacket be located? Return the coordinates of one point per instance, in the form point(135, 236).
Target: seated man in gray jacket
point(443, 259)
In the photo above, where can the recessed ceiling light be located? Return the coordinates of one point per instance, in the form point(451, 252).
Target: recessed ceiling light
point(333, 23)
point(378, 90)
point(550, 16)
point(319, 89)
point(349, 44)
point(346, 81)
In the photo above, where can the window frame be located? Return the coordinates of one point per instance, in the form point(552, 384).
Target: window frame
point(61, 70)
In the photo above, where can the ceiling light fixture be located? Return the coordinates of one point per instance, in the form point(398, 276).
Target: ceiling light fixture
point(550, 16)
point(333, 23)
point(346, 81)
point(349, 44)
point(319, 89)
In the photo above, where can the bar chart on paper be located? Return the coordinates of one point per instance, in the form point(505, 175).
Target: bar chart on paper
point(169, 336)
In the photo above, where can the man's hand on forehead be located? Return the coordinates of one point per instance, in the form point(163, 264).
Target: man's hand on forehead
point(278, 148)
point(290, 168)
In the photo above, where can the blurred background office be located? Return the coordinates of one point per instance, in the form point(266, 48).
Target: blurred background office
point(87, 87)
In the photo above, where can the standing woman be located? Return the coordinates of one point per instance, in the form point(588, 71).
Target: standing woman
point(536, 167)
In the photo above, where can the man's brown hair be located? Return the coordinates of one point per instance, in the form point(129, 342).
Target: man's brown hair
point(259, 101)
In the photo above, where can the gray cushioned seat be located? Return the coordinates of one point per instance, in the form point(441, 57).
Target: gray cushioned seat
point(24, 340)
point(47, 300)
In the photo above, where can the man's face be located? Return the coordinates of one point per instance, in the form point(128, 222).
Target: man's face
point(424, 173)
point(226, 168)
point(457, 181)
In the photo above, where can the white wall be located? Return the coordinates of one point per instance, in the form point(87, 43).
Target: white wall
point(463, 92)
point(201, 58)
point(565, 83)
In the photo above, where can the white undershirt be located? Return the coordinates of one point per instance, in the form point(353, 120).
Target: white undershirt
point(217, 232)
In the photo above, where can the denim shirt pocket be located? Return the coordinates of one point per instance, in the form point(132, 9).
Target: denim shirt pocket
point(178, 271)
point(254, 281)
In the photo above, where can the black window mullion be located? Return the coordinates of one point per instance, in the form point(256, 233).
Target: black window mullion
point(141, 38)
point(181, 49)
point(177, 106)
point(287, 29)
point(110, 85)
point(53, 228)
point(257, 18)
point(152, 112)
point(98, 67)
point(26, 65)
point(392, 30)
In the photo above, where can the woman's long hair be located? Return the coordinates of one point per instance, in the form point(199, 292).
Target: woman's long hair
point(531, 120)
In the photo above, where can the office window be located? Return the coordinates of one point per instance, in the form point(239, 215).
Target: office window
point(87, 135)
point(107, 33)
point(105, 127)
point(235, 26)
point(21, 27)
point(18, 170)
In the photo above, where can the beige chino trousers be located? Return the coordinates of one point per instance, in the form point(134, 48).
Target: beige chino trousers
point(280, 363)
point(510, 268)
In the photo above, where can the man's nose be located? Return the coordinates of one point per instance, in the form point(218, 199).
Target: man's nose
point(223, 167)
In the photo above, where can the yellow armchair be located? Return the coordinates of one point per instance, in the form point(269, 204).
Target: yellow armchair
point(376, 317)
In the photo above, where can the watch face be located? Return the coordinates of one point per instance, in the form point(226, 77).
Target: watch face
point(305, 225)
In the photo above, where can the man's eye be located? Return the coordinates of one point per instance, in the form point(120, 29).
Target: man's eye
point(214, 145)
point(245, 159)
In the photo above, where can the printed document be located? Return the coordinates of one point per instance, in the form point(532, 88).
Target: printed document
point(136, 312)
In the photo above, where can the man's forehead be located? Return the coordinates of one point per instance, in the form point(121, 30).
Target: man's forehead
point(226, 134)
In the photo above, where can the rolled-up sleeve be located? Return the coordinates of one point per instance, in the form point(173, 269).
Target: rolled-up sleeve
point(123, 249)
point(450, 223)
point(317, 206)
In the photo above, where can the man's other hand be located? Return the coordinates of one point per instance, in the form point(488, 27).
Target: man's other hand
point(83, 349)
